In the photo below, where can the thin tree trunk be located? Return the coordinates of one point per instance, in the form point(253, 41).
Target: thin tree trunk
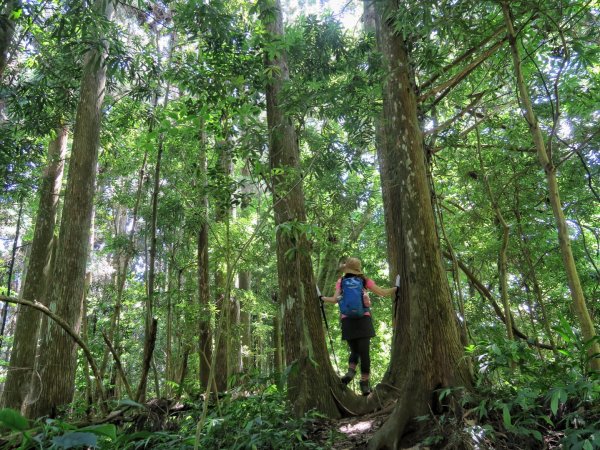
point(545, 159)
point(146, 363)
point(530, 272)
point(223, 216)
point(58, 358)
point(7, 31)
point(204, 321)
point(148, 344)
point(123, 268)
point(502, 263)
point(169, 364)
point(245, 323)
point(11, 268)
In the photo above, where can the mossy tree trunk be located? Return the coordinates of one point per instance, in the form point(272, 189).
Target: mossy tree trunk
point(426, 349)
point(58, 353)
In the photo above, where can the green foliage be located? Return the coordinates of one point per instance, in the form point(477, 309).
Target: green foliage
point(527, 406)
point(259, 420)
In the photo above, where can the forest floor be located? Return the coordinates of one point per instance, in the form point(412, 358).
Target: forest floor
point(348, 433)
point(354, 433)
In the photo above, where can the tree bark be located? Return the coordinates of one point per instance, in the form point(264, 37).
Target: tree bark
point(70, 332)
point(311, 376)
point(545, 159)
point(148, 344)
point(204, 322)
point(7, 31)
point(223, 339)
point(245, 323)
point(58, 353)
point(426, 350)
point(11, 268)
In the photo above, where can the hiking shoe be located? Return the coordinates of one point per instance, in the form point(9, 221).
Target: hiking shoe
point(349, 376)
point(364, 387)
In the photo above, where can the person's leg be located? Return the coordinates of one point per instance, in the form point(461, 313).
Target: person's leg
point(363, 350)
point(352, 360)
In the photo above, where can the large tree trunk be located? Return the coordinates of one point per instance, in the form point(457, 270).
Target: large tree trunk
point(58, 352)
point(545, 159)
point(426, 352)
point(22, 358)
point(312, 375)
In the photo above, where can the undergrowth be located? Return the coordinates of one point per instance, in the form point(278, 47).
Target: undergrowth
point(523, 401)
point(257, 417)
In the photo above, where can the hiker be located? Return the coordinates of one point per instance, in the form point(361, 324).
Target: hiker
point(357, 325)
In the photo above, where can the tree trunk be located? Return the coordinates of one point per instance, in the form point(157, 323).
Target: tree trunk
point(204, 325)
point(11, 268)
point(223, 339)
point(530, 272)
point(7, 30)
point(123, 268)
point(426, 350)
point(545, 159)
point(148, 344)
point(58, 353)
point(278, 350)
point(502, 260)
point(245, 323)
point(309, 383)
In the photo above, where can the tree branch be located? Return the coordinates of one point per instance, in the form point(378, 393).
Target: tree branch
point(461, 58)
point(67, 328)
point(477, 98)
point(119, 365)
point(487, 294)
point(464, 73)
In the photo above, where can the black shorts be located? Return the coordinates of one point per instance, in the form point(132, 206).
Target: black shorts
point(357, 328)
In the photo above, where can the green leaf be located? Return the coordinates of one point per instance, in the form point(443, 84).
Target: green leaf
point(587, 445)
point(108, 430)
point(536, 434)
point(73, 440)
point(13, 420)
point(14, 15)
point(506, 416)
point(557, 396)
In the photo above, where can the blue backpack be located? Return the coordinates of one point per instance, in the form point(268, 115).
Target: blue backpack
point(351, 303)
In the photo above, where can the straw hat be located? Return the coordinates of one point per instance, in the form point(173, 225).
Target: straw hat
point(352, 265)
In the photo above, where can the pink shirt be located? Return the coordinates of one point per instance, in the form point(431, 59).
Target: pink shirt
point(369, 284)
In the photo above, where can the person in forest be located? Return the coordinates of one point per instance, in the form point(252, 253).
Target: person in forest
point(355, 314)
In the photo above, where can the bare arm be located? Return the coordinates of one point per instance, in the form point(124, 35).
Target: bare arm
point(381, 291)
point(333, 299)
